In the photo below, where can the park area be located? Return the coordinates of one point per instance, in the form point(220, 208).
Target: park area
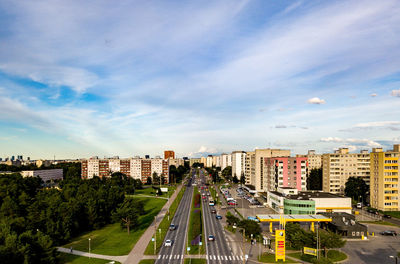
point(114, 240)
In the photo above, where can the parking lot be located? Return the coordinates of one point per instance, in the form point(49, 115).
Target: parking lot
point(376, 249)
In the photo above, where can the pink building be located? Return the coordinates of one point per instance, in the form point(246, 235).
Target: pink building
point(286, 172)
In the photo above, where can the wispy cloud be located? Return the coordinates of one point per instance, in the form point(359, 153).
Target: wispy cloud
point(316, 100)
point(395, 93)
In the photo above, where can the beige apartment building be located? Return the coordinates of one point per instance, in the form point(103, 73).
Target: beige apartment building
point(339, 166)
point(384, 183)
point(254, 166)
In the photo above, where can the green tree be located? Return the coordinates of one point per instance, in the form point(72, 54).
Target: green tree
point(356, 188)
point(242, 179)
point(235, 179)
point(251, 227)
point(314, 180)
point(156, 178)
point(149, 181)
point(329, 240)
point(128, 213)
point(227, 173)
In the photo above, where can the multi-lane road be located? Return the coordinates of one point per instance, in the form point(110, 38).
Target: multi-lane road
point(175, 253)
point(217, 251)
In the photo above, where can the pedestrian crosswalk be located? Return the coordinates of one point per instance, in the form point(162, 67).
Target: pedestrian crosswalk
point(209, 257)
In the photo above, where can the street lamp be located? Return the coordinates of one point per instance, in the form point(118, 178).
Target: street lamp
point(89, 247)
point(394, 257)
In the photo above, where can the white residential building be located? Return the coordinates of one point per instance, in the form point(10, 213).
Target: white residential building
point(238, 163)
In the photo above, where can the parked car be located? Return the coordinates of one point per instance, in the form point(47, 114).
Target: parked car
point(213, 211)
point(168, 243)
point(219, 217)
point(172, 227)
point(388, 233)
point(387, 216)
point(211, 238)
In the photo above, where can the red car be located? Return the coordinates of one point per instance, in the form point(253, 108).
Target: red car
point(232, 203)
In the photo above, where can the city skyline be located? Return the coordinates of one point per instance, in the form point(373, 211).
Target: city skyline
point(134, 79)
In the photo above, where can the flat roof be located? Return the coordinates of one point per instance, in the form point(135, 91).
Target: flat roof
point(293, 218)
point(306, 195)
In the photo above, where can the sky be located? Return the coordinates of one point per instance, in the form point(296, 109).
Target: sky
point(105, 78)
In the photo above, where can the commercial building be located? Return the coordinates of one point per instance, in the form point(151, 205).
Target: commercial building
point(291, 201)
point(345, 225)
point(339, 166)
point(238, 163)
point(169, 154)
point(285, 172)
point(384, 181)
point(226, 160)
point(136, 167)
point(45, 175)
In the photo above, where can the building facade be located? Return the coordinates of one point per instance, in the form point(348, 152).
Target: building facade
point(45, 175)
point(339, 166)
point(288, 172)
point(238, 163)
point(169, 154)
point(226, 160)
point(384, 181)
point(136, 168)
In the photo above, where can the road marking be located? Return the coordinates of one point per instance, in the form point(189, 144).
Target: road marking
point(159, 256)
point(214, 257)
point(226, 258)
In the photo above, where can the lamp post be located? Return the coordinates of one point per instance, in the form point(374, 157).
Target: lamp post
point(394, 258)
point(89, 248)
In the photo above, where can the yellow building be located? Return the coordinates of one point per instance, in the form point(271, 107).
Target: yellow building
point(384, 180)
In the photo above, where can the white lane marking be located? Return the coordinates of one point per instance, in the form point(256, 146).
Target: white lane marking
point(226, 258)
point(218, 257)
point(170, 256)
point(241, 257)
point(159, 256)
point(214, 257)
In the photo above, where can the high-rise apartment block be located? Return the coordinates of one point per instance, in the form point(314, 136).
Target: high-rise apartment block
point(254, 166)
point(209, 161)
point(226, 160)
point(136, 168)
point(384, 181)
point(339, 166)
point(280, 172)
point(169, 154)
point(238, 163)
point(314, 160)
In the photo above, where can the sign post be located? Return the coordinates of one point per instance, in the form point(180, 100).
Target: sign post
point(280, 245)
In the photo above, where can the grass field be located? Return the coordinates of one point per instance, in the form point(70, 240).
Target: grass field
point(112, 239)
point(147, 261)
point(195, 261)
point(378, 223)
point(164, 225)
point(333, 256)
point(270, 258)
point(395, 214)
point(152, 192)
point(196, 224)
point(74, 259)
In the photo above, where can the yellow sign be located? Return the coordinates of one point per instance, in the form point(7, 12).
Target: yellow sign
point(279, 245)
point(310, 251)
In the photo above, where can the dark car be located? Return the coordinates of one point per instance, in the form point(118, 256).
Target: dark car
point(387, 216)
point(213, 211)
point(218, 217)
point(388, 233)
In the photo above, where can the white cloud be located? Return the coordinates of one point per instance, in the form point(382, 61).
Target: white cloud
point(395, 93)
point(349, 141)
point(316, 100)
point(373, 95)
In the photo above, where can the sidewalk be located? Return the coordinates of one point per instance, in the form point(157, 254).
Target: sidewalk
point(86, 254)
point(137, 252)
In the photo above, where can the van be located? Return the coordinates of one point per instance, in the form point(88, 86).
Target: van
point(359, 205)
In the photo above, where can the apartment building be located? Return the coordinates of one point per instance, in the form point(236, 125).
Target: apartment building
point(238, 163)
point(176, 162)
point(136, 167)
point(314, 160)
point(216, 161)
point(204, 161)
point(193, 161)
point(45, 175)
point(209, 161)
point(280, 172)
point(254, 166)
point(226, 160)
point(339, 166)
point(169, 154)
point(384, 181)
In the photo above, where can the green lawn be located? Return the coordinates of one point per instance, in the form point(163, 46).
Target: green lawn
point(74, 259)
point(112, 239)
point(333, 256)
point(147, 261)
point(164, 225)
point(152, 192)
point(336, 256)
point(196, 225)
point(395, 214)
point(195, 261)
point(270, 258)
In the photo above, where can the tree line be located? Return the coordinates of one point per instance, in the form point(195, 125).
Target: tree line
point(34, 219)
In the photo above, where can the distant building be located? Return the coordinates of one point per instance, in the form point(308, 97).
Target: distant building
point(209, 161)
point(45, 175)
point(238, 163)
point(194, 160)
point(136, 168)
point(176, 162)
point(226, 160)
point(45, 163)
point(384, 181)
point(169, 154)
point(339, 166)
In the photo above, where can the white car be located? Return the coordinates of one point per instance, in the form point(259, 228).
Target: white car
point(168, 243)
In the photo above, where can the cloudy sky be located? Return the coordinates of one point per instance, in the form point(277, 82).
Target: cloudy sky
point(83, 78)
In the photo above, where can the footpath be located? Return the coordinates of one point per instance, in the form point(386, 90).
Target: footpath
point(137, 252)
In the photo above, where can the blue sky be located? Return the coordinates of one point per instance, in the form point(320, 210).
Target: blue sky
point(83, 78)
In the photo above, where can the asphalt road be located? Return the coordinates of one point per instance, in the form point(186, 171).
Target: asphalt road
point(217, 251)
point(175, 253)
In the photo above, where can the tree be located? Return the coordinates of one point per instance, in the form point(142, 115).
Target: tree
point(329, 239)
point(251, 227)
point(356, 188)
point(156, 178)
point(149, 181)
point(235, 179)
point(314, 180)
point(242, 179)
point(227, 173)
point(128, 213)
